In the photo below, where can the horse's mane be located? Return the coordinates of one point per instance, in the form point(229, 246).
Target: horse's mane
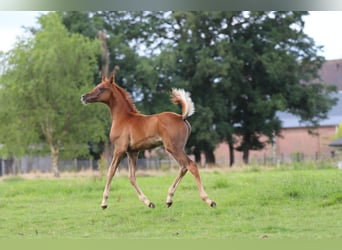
point(128, 98)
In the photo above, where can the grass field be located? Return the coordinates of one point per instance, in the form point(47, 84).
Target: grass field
point(251, 204)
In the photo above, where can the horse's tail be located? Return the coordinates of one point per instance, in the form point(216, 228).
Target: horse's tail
point(180, 96)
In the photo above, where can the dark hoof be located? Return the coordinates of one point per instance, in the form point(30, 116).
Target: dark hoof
point(169, 204)
point(151, 205)
point(104, 207)
point(213, 204)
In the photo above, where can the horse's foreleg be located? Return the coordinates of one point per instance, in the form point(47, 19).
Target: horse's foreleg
point(110, 174)
point(174, 185)
point(132, 165)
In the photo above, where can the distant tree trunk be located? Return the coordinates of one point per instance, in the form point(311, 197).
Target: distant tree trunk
point(197, 155)
point(245, 154)
point(54, 147)
point(210, 157)
point(54, 157)
point(231, 154)
point(105, 54)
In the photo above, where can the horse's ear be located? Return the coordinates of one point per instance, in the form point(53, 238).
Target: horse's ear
point(103, 78)
point(111, 79)
point(115, 71)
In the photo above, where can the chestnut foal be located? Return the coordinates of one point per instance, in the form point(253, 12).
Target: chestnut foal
point(132, 132)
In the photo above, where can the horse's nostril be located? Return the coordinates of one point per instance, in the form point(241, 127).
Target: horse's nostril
point(83, 99)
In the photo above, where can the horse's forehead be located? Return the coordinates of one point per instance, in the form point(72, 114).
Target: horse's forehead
point(104, 84)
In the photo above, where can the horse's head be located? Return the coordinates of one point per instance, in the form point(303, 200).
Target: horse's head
point(101, 93)
point(108, 92)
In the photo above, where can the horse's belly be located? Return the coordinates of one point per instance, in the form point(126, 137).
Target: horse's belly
point(146, 143)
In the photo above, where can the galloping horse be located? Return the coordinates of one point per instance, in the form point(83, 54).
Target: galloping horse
point(132, 131)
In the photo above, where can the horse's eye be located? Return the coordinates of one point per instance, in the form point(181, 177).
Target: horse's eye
point(102, 89)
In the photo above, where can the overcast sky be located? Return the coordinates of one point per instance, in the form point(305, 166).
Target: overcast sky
point(322, 26)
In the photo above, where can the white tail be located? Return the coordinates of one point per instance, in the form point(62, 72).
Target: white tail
point(182, 97)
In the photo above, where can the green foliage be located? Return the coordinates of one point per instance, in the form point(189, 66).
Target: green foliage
point(277, 57)
point(277, 204)
point(339, 131)
point(40, 92)
point(79, 22)
point(241, 68)
point(246, 66)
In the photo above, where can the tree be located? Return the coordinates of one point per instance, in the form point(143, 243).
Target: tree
point(277, 71)
point(80, 22)
point(241, 68)
point(40, 93)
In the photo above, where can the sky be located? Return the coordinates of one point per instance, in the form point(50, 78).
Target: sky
point(322, 26)
point(11, 26)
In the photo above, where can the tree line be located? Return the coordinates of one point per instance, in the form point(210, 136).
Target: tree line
point(241, 68)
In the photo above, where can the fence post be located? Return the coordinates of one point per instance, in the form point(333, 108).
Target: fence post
point(2, 170)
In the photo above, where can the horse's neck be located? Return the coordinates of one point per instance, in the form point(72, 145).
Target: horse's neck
point(117, 110)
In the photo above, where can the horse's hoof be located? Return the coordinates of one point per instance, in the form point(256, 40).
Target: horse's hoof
point(151, 205)
point(169, 204)
point(104, 207)
point(213, 204)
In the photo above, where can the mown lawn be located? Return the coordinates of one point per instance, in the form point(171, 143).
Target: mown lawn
point(279, 204)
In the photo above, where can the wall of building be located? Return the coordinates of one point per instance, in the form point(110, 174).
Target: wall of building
point(294, 144)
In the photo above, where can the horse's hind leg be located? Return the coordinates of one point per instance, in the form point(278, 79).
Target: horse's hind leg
point(174, 185)
point(192, 167)
point(187, 164)
point(132, 165)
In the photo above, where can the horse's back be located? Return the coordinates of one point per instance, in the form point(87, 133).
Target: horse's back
point(170, 119)
point(172, 124)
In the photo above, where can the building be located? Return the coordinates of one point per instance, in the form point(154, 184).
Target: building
point(296, 141)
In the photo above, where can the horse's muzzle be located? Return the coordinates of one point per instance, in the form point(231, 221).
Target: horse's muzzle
point(83, 99)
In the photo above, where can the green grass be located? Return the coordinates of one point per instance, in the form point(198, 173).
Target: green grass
point(285, 204)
